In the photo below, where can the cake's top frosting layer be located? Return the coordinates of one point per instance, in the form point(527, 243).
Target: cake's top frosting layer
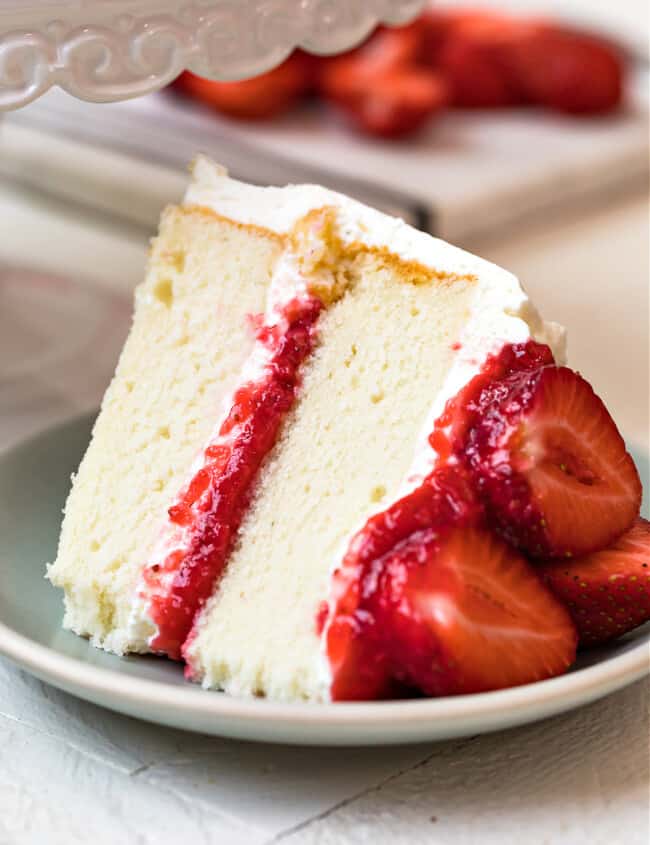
point(502, 307)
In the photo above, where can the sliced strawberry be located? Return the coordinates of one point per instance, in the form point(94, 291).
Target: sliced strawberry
point(355, 643)
point(475, 79)
point(465, 613)
point(438, 25)
point(390, 47)
point(607, 592)
point(427, 598)
point(568, 71)
point(261, 97)
point(470, 48)
point(551, 464)
point(391, 105)
point(381, 86)
point(492, 60)
point(357, 660)
point(387, 49)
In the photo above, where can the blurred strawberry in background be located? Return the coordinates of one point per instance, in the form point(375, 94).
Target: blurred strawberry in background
point(400, 78)
point(568, 72)
point(385, 87)
point(390, 105)
point(259, 98)
point(472, 50)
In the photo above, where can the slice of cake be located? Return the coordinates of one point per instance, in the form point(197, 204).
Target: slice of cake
point(292, 482)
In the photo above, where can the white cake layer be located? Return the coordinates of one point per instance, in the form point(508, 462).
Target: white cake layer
point(189, 340)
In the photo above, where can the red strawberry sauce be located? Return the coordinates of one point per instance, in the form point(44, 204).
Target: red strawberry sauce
point(208, 513)
point(354, 638)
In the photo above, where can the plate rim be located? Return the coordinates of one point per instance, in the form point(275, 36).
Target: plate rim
point(497, 707)
point(361, 722)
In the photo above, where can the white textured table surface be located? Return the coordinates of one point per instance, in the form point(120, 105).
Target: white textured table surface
point(72, 773)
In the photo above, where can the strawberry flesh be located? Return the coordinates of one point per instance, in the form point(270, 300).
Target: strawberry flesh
point(607, 592)
point(551, 465)
point(466, 614)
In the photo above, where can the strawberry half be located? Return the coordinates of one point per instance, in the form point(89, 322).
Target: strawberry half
point(381, 87)
point(391, 104)
point(471, 59)
point(551, 465)
point(387, 49)
point(568, 71)
point(357, 627)
point(465, 613)
point(472, 48)
point(608, 592)
point(259, 98)
point(475, 79)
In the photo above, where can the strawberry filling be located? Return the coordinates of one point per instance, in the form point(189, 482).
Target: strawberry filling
point(204, 520)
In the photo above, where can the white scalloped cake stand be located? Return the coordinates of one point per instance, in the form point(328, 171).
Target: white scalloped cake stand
point(105, 50)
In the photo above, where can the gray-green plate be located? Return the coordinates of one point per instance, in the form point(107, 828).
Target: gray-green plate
point(34, 480)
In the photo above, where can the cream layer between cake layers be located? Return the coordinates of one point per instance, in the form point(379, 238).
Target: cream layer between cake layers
point(413, 323)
